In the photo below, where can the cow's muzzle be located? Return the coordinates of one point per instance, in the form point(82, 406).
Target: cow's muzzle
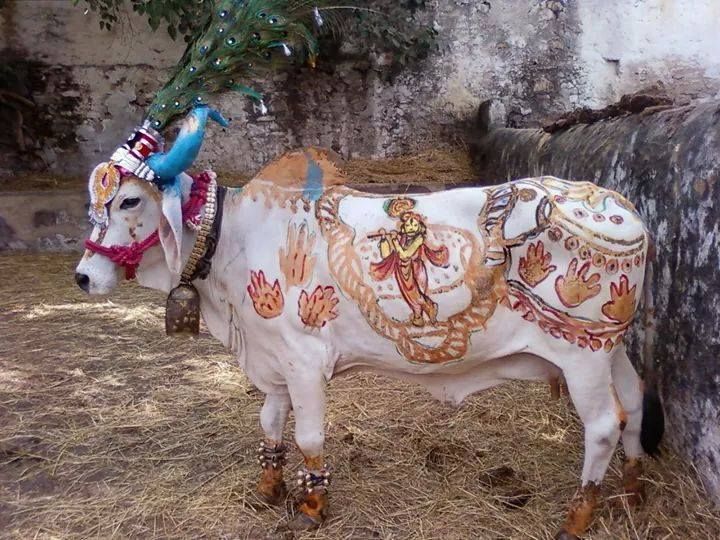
point(83, 281)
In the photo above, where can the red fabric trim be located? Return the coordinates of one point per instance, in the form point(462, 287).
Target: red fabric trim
point(198, 195)
point(129, 257)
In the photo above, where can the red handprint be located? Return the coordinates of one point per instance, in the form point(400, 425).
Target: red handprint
point(318, 309)
point(267, 300)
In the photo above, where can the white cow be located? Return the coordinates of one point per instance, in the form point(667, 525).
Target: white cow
point(458, 291)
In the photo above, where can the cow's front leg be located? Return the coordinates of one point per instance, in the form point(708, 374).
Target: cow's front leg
point(308, 398)
point(271, 454)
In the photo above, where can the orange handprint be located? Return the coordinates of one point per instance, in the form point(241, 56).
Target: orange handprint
point(621, 306)
point(268, 301)
point(536, 267)
point(318, 308)
point(574, 288)
point(296, 261)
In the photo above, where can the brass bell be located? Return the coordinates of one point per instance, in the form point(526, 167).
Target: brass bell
point(182, 310)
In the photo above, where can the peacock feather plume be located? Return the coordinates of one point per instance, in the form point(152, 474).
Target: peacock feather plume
point(243, 38)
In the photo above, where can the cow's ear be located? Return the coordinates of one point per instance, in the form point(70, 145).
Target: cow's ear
point(171, 228)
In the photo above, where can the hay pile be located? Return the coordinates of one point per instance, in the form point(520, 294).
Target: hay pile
point(110, 429)
point(443, 166)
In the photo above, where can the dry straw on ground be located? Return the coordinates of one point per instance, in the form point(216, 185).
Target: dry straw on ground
point(110, 429)
point(446, 166)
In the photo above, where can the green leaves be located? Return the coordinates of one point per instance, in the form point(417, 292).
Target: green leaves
point(180, 17)
point(375, 30)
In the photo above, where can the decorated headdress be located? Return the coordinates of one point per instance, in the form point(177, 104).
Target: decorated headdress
point(240, 39)
point(398, 206)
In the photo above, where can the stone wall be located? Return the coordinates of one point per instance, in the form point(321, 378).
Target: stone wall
point(667, 163)
point(539, 57)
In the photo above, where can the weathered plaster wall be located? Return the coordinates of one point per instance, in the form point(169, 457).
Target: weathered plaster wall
point(46, 221)
point(629, 43)
point(539, 57)
point(668, 164)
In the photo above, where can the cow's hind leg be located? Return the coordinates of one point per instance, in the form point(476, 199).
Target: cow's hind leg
point(629, 389)
point(308, 399)
point(271, 454)
point(590, 384)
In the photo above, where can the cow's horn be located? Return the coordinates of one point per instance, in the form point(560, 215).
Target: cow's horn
point(181, 156)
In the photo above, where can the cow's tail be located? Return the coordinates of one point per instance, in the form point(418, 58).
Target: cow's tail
point(653, 419)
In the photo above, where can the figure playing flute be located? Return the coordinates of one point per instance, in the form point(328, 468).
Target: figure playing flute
point(404, 253)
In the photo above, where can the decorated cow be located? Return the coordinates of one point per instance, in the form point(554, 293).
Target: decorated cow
point(306, 279)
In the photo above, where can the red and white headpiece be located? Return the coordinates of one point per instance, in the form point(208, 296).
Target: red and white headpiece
point(128, 159)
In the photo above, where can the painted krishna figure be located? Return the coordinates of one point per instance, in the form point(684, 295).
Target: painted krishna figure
point(404, 253)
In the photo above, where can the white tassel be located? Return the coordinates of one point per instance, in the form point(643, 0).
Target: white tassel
point(286, 49)
point(263, 108)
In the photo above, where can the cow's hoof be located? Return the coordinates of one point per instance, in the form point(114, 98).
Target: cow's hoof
point(277, 497)
point(303, 522)
point(564, 535)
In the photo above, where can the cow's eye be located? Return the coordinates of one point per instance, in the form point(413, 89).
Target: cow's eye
point(130, 202)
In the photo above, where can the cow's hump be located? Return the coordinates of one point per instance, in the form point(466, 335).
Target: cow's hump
point(295, 168)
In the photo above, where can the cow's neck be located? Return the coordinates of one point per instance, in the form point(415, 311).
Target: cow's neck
point(220, 296)
point(219, 300)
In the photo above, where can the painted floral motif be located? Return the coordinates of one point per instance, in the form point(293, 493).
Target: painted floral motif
point(572, 243)
point(598, 259)
point(535, 266)
point(555, 234)
point(527, 194)
point(575, 287)
point(580, 213)
point(296, 260)
point(317, 309)
point(621, 306)
point(267, 300)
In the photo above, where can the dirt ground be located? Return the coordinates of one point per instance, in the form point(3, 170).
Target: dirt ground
point(110, 429)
